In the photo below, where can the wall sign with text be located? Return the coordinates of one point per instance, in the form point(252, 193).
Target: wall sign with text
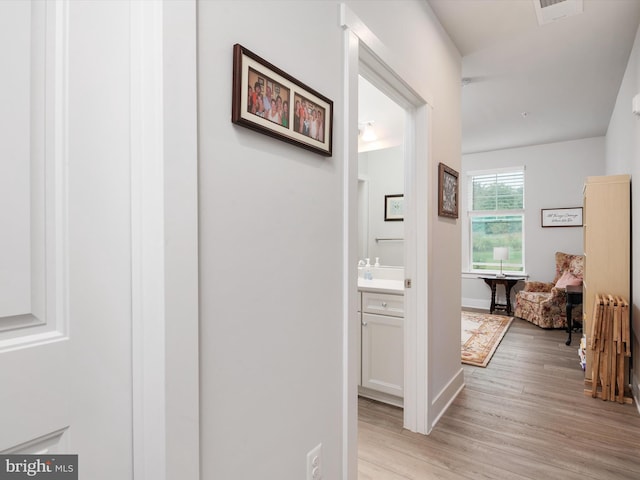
point(561, 217)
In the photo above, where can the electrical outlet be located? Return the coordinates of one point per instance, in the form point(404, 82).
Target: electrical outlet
point(314, 463)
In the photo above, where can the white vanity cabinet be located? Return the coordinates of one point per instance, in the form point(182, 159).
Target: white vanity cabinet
point(382, 369)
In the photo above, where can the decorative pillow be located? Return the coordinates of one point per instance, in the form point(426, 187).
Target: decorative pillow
point(567, 279)
point(570, 262)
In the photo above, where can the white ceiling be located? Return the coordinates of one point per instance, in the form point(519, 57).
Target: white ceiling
point(565, 74)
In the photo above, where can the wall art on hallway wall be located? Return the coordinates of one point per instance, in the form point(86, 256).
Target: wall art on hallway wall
point(270, 101)
point(447, 191)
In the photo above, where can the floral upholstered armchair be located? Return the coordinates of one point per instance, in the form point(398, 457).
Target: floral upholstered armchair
point(544, 304)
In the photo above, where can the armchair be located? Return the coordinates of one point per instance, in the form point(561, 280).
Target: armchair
point(544, 304)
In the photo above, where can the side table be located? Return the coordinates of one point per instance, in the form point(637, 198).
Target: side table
point(574, 298)
point(508, 283)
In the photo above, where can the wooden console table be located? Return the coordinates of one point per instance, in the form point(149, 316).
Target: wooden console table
point(508, 283)
point(574, 298)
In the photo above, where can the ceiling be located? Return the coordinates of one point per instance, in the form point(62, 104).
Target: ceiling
point(530, 84)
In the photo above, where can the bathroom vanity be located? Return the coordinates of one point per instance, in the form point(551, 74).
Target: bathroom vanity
point(381, 316)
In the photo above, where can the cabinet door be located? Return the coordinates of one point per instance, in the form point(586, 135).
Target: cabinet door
point(383, 353)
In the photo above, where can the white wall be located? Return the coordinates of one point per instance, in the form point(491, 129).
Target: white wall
point(554, 176)
point(270, 256)
point(623, 157)
point(384, 170)
point(271, 244)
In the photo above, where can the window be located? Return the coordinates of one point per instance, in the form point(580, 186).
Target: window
point(496, 219)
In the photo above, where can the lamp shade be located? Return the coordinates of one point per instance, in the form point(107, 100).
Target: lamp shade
point(501, 253)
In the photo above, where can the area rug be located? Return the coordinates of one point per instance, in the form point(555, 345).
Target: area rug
point(481, 335)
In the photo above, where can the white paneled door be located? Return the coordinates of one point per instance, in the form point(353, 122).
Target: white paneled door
point(98, 235)
point(65, 214)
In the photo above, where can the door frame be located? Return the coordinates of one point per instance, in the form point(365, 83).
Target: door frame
point(164, 243)
point(361, 46)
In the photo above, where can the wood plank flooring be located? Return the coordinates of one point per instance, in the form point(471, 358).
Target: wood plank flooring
point(523, 417)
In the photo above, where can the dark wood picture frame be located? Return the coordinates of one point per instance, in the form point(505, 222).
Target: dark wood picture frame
point(448, 197)
point(308, 119)
point(561, 217)
point(394, 208)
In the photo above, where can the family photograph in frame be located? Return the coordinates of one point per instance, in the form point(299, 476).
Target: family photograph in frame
point(270, 101)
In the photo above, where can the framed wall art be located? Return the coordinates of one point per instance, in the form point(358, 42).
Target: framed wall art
point(447, 191)
point(394, 208)
point(270, 101)
point(561, 217)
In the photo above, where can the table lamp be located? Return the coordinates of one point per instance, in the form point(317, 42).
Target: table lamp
point(500, 253)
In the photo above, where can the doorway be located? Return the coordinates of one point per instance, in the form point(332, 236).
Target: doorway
point(365, 55)
point(381, 232)
point(414, 145)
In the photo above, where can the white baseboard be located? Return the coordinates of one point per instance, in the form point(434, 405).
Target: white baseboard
point(447, 395)
point(476, 303)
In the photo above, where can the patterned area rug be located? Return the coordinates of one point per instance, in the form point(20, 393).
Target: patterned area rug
point(481, 335)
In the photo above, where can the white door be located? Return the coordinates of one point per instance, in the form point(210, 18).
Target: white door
point(65, 252)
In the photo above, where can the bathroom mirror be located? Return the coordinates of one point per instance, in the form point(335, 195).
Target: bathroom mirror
point(380, 174)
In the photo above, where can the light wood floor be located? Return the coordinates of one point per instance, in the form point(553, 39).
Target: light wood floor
point(524, 416)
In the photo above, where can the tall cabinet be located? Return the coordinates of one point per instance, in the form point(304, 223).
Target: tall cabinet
point(607, 243)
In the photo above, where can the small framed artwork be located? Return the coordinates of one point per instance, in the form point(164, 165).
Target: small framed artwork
point(447, 191)
point(561, 217)
point(270, 101)
point(394, 208)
